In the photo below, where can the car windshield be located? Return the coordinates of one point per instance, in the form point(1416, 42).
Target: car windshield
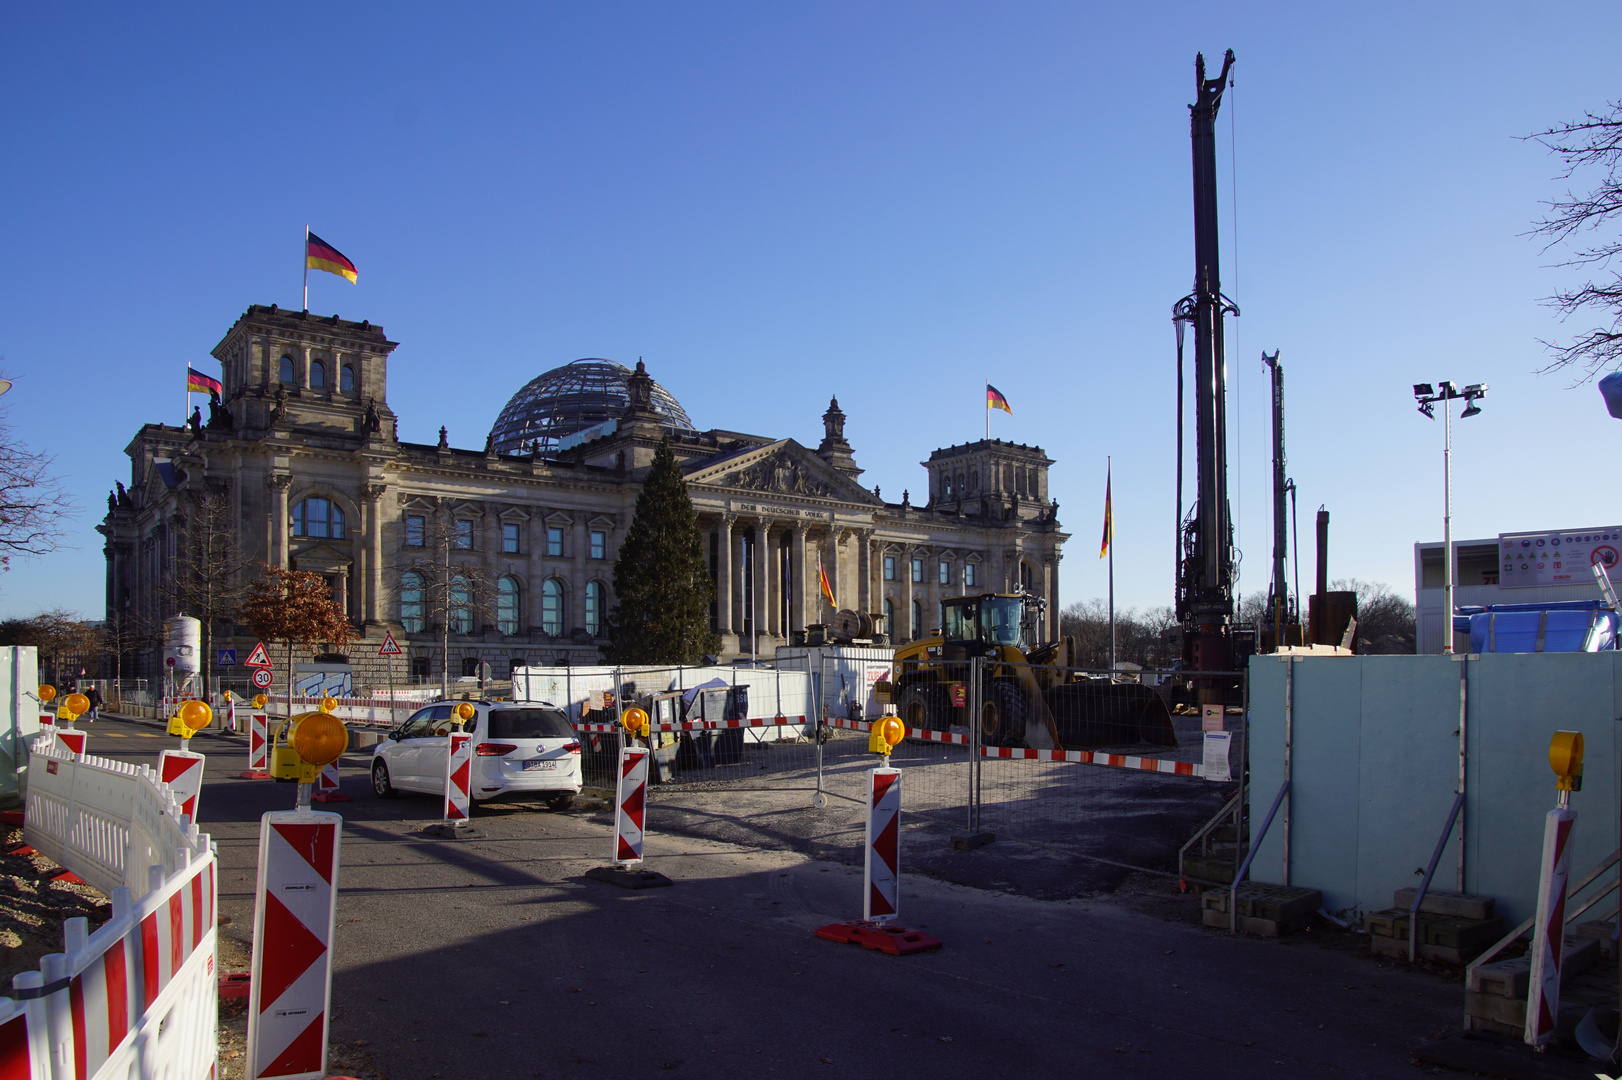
point(959, 622)
point(529, 724)
point(999, 620)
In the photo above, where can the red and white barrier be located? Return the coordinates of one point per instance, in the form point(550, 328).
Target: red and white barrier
point(72, 740)
point(458, 776)
point(702, 725)
point(1089, 757)
point(328, 785)
point(630, 805)
point(1549, 927)
point(258, 747)
point(23, 1050)
point(881, 878)
point(922, 734)
point(294, 909)
point(182, 770)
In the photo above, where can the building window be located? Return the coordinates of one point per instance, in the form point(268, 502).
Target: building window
point(507, 606)
point(319, 519)
point(284, 373)
point(411, 602)
point(970, 576)
point(464, 535)
point(554, 542)
point(346, 379)
point(917, 620)
point(415, 526)
point(461, 598)
point(889, 619)
point(419, 668)
point(594, 608)
point(509, 537)
point(599, 544)
point(918, 571)
point(946, 572)
point(552, 607)
point(318, 375)
point(889, 568)
point(515, 665)
point(470, 668)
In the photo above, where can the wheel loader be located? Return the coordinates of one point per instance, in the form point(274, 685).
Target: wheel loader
point(1030, 694)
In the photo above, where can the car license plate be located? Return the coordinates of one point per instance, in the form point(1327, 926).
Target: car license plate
point(540, 765)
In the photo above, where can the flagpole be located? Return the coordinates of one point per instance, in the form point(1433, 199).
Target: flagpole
point(988, 410)
point(1109, 470)
point(304, 260)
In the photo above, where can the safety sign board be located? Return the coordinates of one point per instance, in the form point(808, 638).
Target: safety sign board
point(262, 678)
point(259, 657)
point(389, 647)
point(226, 657)
point(1556, 558)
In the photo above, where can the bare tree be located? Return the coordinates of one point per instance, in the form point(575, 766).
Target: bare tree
point(66, 643)
point(211, 575)
point(34, 508)
point(1590, 146)
point(1385, 619)
point(123, 633)
point(450, 589)
point(1149, 639)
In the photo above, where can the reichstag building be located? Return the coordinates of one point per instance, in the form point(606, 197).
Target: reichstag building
point(302, 452)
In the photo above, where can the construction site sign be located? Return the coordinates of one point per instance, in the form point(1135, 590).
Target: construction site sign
point(259, 657)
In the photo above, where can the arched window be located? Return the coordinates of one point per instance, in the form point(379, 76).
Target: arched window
point(320, 519)
point(917, 620)
point(346, 379)
point(552, 606)
point(507, 606)
point(411, 602)
point(318, 375)
point(594, 608)
point(461, 605)
point(284, 374)
point(889, 620)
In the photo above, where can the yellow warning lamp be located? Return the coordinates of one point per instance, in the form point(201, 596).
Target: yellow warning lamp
point(196, 714)
point(259, 701)
point(1566, 759)
point(314, 740)
point(47, 692)
point(77, 704)
point(64, 713)
point(466, 711)
point(328, 704)
point(635, 721)
point(885, 735)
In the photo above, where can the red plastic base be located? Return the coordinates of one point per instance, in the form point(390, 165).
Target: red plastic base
point(251, 775)
point(11, 817)
point(895, 940)
point(70, 877)
point(330, 796)
point(235, 986)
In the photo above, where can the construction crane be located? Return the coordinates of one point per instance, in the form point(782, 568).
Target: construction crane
point(1205, 568)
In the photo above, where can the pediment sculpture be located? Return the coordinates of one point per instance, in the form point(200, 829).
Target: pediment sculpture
point(780, 472)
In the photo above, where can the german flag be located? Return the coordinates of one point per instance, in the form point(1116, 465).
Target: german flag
point(827, 590)
point(198, 383)
point(995, 400)
point(320, 255)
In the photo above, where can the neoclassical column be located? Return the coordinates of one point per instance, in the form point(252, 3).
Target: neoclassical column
point(864, 570)
point(723, 574)
point(761, 561)
point(907, 593)
point(278, 483)
point(374, 551)
point(796, 578)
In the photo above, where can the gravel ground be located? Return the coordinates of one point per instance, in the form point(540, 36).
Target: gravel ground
point(33, 907)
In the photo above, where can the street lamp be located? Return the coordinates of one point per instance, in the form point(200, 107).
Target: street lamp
point(1428, 397)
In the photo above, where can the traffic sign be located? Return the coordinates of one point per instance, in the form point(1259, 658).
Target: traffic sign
point(262, 678)
point(390, 648)
point(227, 657)
point(259, 657)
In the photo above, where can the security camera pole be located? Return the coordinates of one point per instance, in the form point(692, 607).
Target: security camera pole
point(1428, 397)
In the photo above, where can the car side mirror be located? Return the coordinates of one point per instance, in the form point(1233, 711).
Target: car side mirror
point(395, 735)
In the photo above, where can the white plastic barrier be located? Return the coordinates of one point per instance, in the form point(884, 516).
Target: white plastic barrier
point(772, 693)
point(139, 998)
point(375, 710)
point(107, 821)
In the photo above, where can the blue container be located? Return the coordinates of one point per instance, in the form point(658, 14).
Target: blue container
point(1610, 389)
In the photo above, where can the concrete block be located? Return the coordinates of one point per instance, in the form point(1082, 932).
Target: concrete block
point(1446, 931)
point(1462, 905)
point(1512, 978)
point(1265, 910)
point(1397, 949)
point(1600, 930)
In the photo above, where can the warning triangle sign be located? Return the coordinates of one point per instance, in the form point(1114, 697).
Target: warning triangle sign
point(259, 657)
point(389, 647)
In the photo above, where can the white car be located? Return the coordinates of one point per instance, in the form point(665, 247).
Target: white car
point(522, 750)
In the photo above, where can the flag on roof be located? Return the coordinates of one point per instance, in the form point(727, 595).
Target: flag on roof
point(198, 383)
point(995, 400)
point(320, 255)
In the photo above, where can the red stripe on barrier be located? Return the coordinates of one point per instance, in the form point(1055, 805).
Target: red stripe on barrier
point(177, 934)
point(118, 995)
point(197, 910)
point(150, 972)
point(15, 1063)
point(76, 1009)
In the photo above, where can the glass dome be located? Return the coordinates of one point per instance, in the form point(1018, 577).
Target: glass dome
point(569, 399)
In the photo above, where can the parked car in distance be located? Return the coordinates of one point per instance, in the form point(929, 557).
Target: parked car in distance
point(522, 750)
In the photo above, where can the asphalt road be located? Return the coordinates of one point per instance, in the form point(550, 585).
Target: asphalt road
point(496, 958)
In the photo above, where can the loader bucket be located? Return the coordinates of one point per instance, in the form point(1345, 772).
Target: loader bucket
point(1099, 713)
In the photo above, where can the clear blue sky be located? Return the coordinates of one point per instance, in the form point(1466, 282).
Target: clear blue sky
point(773, 203)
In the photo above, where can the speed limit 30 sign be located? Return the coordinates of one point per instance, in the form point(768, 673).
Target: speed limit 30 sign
point(261, 678)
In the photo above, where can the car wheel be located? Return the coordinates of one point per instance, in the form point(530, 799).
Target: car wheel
point(559, 803)
point(380, 781)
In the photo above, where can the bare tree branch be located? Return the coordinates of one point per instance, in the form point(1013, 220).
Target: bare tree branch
point(34, 508)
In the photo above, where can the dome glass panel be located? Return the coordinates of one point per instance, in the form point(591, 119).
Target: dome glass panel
point(569, 399)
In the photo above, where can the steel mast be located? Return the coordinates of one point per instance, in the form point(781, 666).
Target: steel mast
point(1205, 588)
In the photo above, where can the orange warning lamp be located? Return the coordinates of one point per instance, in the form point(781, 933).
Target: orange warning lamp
point(313, 740)
point(259, 701)
point(466, 711)
point(885, 735)
point(47, 692)
point(1566, 759)
point(196, 714)
point(635, 721)
point(328, 704)
point(77, 704)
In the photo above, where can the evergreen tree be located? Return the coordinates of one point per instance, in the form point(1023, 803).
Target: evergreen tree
point(662, 585)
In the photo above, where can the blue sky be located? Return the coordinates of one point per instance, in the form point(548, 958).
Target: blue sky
point(776, 203)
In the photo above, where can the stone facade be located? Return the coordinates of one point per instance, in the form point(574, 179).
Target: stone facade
point(303, 447)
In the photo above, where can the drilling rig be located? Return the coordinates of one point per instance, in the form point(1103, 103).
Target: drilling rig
point(1205, 568)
